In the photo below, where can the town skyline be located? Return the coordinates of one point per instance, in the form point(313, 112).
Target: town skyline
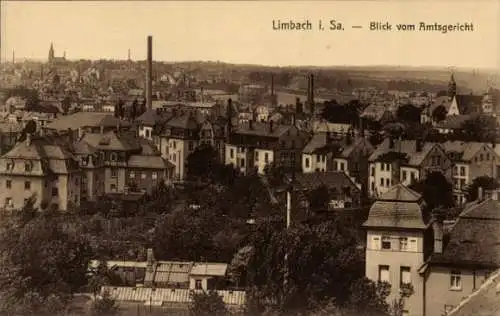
point(241, 34)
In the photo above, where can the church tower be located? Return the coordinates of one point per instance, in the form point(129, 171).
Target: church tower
point(51, 53)
point(452, 88)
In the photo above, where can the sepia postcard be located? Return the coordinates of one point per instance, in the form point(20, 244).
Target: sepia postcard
point(253, 158)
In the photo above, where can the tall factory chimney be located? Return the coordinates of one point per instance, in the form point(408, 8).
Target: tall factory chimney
point(149, 74)
point(310, 93)
point(272, 85)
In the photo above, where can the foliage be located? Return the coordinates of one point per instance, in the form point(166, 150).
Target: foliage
point(408, 113)
point(480, 129)
point(486, 183)
point(334, 112)
point(436, 191)
point(276, 174)
point(104, 306)
point(119, 109)
point(208, 304)
point(323, 262)
point(398, 304)
point(29, 128)
point(51, 265)
point(439, 113)
point(393, 156)
point(319, 199)
point(204, 165)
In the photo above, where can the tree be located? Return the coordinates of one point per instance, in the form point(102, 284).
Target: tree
point(134, 110)
point(408, 113)
point(436, 191)
point(203, 164)
point(104, 306)
point(208, 304)
point(480, 129)
point(323, 264)
point(485, 182)
point(51, 266)
point(439, 114)
point(66, 104)
point(319, 199)
point(276, 174)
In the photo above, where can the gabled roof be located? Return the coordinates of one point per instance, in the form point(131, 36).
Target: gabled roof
point(184, 121)
point(263, 129)
point(455, 121)
point(468, 103)
point(474, 239)
point(152, 117)
point(112, 141)
point(399, 208)
point(409, 147)
point(331, 179)
point(467, 149)
point(86, 119)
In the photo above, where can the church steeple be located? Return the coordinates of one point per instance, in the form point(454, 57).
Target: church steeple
point(452, 87)
point(51, 52)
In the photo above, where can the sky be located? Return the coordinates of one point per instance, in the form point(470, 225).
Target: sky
point(241, 32)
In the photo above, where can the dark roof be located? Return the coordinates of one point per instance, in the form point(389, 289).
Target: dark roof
point(314, 180)
point(185, 121)
point(263, 129)
point(151, 117)
point(455, 121)
point(400, 208)
point(112, 141)
point(409, 147)
point(468, 103)
point(474, 239)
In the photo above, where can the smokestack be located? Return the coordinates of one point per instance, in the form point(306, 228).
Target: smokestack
point(13, 57)
point(149, 73)
point(310, 93)
point(272, 85)
point(480, 194)
point(437, 227)
point(129, 55)
point(202, 92)
point(288, 207)
point(271, 126)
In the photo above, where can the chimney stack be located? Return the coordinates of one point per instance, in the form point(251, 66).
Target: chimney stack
point(437, 227)
point(310, 93)
point(149, 73)
point(250, 123)
point(480, 195)
point(271, 126)
point(391, 142)
point(288, 207)
point(418, 145)
point(202, 92)
point(28, 139)
point(298, 106)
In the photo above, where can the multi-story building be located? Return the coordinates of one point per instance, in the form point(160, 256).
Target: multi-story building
point(405, 161)
point(179, 138)
point(470, 160)
point(397, 244)
point(407, 245)
point(40, 169)
point(130, 163)
point(466, 259)
point(257, 145)
point(348, 154)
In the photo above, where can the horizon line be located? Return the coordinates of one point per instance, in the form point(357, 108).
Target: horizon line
point(449, 68)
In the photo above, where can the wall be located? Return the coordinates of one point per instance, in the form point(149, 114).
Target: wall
point(385, 174)
point(438, 292)
point(312, 163)
point(17, 191)
point(410, 171)
point(482, 166)
point(395, 259)
point(260, 161)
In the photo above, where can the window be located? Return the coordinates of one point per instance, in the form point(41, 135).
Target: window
point(197, 284)
point(8, 184)
point(132, 174)
point(174, 157)
point(154, 175)
point(403, 243)
point(381, 182)
point(307, 162)
point(372, 185)
point(404, 175)
point(405, 275)
point(55, 192)
point(387, 182)
point(456, 280)
point(10, 166)
point(335, 165)
point(242, 163)
point(256, 156)
point(375, 242)
point(8, 201)
point(191, 145)
point(28, 167)
point(455, 170)
point(231, 153)
point(382, 166)
point(386, 242)
point(266, 157)
point(174, 144)
point(114, 173)
point(341, 166)
point(383, 273)
point(373, 171)
point(113, 188)
point(143, 175)
point(27, 185)
point(462, 171)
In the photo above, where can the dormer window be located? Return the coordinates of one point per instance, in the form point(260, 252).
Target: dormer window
point(10, 165)
point(386, 242)
point(113, 156)
point(28, 166)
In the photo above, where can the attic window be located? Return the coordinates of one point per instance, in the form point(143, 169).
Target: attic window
point(104, 141)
